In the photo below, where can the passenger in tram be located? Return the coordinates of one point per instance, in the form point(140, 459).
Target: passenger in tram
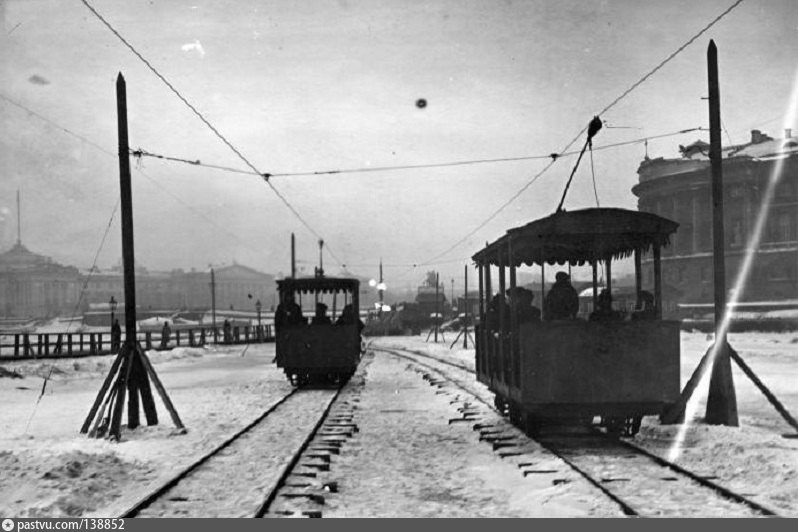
point(494, 316)
point(646, 310)
point(321, 317)
point(525, 311)
point(288, 313)
point(604, 310)
point(347, 317)
point(562, 301)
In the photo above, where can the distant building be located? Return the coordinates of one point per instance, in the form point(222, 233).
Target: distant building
point(680, 189)
point(32, 285)
point(237, 288)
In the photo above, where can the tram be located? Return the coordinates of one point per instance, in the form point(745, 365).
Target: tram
point(312, 346)
point(568, 371)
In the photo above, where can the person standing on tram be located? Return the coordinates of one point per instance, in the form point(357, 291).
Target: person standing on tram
point(562, 301)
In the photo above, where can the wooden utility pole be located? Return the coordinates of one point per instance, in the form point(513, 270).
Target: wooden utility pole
point(722, 401)
point(465, 304)
point(213, 305)
point(293, 257)
point(19, 221)
point(132, 369)
point(464, 330)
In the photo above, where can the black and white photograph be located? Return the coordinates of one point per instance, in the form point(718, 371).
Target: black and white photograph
point(396, 258)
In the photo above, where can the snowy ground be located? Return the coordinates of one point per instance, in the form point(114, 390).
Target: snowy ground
point(49, 469)
point(429, 467)
point(753, 459)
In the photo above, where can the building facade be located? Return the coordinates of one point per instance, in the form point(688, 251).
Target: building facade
point(760, 190)
point(34, 285)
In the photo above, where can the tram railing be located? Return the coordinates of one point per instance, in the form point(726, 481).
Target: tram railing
point(25, 345)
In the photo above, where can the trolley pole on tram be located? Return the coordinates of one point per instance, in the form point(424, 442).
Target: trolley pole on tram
point(722, 400)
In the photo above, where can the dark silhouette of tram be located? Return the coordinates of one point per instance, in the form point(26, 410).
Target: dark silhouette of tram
point(318, 329)
point(570, 370)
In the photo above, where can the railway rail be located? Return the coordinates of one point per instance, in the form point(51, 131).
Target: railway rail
point(243, 476)
point(639, 482)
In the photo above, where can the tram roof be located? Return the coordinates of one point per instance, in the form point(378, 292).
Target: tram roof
point(577, 237)
point(319, 284)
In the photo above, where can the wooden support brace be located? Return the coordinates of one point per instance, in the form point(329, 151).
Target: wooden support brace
point(147, 399)
point(161, 391)
point(98, 430)
point(115, 430)
point(106, 384)
point(676, 413)
point(764, 389)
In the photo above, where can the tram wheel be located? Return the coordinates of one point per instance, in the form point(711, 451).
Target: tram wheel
point(622, 427)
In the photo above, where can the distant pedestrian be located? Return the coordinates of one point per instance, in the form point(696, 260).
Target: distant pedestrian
point(166, 332)
point(116, 336)
point(227, 330)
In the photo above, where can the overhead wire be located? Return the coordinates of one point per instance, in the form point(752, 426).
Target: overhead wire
point(138, 169)
point(505, 204)
point(140, 153)
point(75, 310)
point(609, 106)
point(55, 125)
point(264, 176)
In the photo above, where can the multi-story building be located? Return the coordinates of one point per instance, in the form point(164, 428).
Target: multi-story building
point(236, 287)
point(34, 285)
point(760, 184)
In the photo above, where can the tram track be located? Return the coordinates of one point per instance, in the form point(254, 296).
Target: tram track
point(638, 481)
point(242, 476)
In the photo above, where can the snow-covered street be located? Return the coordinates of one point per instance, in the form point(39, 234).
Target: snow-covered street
point(406, 460)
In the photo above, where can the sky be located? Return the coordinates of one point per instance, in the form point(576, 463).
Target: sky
point(328, 85)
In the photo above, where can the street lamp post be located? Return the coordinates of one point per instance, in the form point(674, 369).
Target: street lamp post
point(258, 306)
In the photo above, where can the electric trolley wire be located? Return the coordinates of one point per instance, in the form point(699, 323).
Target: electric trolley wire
point(55, 125)
point(612, 104)
point(265, 176)
point(140, 153)
point(667, 60)
point(75, 310)
point(177, 198)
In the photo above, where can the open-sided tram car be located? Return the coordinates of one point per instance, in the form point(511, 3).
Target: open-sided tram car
point(570, 371)
point(312, 353)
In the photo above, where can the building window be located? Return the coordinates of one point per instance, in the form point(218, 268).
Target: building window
point(779, 227)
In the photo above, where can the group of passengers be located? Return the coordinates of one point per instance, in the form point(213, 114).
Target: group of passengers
point(561, 303)
point(289, 314)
